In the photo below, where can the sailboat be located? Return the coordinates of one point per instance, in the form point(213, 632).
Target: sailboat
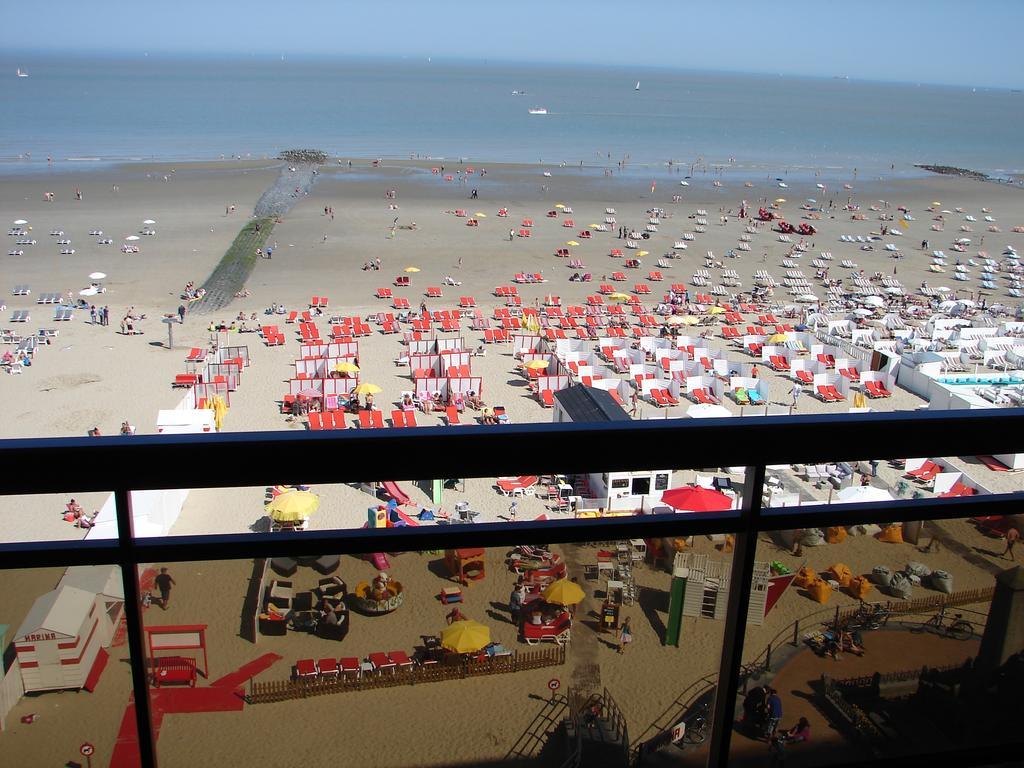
point(637, 86)
point(22, 74)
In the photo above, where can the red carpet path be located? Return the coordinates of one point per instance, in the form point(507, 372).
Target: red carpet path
point(223, 695)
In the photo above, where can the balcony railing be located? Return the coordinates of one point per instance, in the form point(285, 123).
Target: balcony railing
point(124, 464)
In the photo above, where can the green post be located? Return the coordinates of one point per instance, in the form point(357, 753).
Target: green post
point(674, 624)
point(437, 489)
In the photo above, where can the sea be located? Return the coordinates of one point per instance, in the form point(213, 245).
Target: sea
point(90, 111)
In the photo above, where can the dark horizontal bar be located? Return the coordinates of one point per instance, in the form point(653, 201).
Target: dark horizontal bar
point(350, 455)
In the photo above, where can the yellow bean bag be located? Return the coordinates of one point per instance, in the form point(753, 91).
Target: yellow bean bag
point(804, 577)
point(842, 574)
point(891, 534)
point(835, 535)
point(819, 590)
point(859, 587)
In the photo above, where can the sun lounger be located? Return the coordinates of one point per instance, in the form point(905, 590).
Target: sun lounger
point(704, 396)
point(186, 380)
point(825, 394)
point(740, 394)
point(196, 355)
point(926, 472)
point(381, 663)
point(755, 397)
point(315, 421)
point(778, 363)
point(452, 415)
point(804, 377)
point(371, 419)
point(510, 486)
point(850, 373)
point(876, 389)
point(383, 293)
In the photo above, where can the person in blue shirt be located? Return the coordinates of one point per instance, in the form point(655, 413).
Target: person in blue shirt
point(774, 704)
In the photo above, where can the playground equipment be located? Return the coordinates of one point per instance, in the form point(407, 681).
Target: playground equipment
point(382, 595)
point(539, 572)
point(465, 565)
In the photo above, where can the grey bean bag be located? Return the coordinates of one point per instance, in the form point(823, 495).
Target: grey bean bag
point(900, 586)
point(881, 575)
point(918, 569)
point(942, 581)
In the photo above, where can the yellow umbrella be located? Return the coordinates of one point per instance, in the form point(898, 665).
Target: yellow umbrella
point(480, 215)
point(775, 338)
point(690, 320)
point(780, 199)
point(936, 203)
point(642, 253)
point(593, 226)
point(412, 269)
point(346, 366)
point(572, 242)
point(559, 205)
point(293, 505)
point(465, 636)
point(219, 408)
point(619, 296)
point(563, 592)
point(716, 311)
point(536, 364)
point(366, 388)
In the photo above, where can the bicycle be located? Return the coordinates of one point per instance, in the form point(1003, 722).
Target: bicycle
point(697, 726)
point(958, 627)
point(869, 617)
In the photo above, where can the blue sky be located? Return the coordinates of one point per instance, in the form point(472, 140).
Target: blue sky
point(940, 41)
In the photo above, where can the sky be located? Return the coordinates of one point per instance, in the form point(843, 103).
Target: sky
point(926, 41)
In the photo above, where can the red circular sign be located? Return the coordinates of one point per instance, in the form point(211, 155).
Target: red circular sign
point(554, 683)
point(87, 749)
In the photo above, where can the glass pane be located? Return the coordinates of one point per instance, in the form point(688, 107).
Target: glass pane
point(885, 636)
point(65, 680)
point(57, 517)
point(329, 646)
point(446, 501)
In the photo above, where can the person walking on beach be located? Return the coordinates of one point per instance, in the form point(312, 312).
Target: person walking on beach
point(1012, 537)
point(181, 313)
point(512, 510)
point(164, 581)
point(625, 636)
point(795, 394)
point(515, 602)
point(511, 235)
point(92, 314)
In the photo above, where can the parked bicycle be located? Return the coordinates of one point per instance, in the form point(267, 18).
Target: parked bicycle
point(868, 616)
point(957, 627)
point(697, 725)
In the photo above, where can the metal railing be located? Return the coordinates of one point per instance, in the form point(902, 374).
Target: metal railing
point(123, 464)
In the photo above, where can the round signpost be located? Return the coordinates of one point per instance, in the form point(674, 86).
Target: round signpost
point(553, 685)
point(87, 751)
point(170, 320)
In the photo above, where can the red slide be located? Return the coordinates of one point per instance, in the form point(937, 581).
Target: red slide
point(391, 489)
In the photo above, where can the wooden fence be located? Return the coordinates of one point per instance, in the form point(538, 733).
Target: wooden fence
point(284, 690)
point(871, 683)
point(928, 604)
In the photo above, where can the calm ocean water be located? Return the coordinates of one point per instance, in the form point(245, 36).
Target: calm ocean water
point(202, 109)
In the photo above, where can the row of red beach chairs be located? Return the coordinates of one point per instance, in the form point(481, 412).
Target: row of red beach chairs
point(925, 473)
point(662, 398)
point(829, 394)
point(318, 302)
point(272, 337)
point(351, 668)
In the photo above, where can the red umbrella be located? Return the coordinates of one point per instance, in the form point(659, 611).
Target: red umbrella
point(693, 498)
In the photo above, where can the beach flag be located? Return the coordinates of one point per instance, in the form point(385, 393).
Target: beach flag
point(903, 223)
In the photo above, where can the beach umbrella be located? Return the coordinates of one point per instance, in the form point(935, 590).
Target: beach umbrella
point(619, 296)
point(480, 215)
point(776, 338)
point(643, 253)
point(88, 292)
point(132, 237)
point(936, 203)
point(707, 411)
point(693, 498)
point(874, 301)
point(411, 269)
point(572, 242)
point(716, 311)
point(559, 205)
point(346, 366)
point(96, 275)
point(860, 312)
point(465, 636)
point(820, 186)
point(219, 408)
point(536, 365)
point(808, 297)
point(861, 493)
point(149, 221)
point(780, 199)
point(293, 506)
point(20, 221)
point(309, 392)
point(367, 389)
point(563, 592)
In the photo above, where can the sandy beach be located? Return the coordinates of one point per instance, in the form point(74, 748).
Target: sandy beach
point(92, 376)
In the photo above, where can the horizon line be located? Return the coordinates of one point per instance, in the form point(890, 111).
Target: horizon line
point(165, 54)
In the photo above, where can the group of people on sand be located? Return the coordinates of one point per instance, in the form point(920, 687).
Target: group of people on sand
point(78, 517)
point(191, 293)
point(128, 323)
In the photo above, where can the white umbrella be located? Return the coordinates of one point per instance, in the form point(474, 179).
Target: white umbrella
point(132, 237)
point(966, 302)
point(88, 292)
point(874, 301)
point(861, 493)
point(97, 275)
point(707, 411)
point(862, 312)
point(20, 221)
point(942, 289)
point(894, 290)
point(149, 221)
point(807, 297)
point(944, 305)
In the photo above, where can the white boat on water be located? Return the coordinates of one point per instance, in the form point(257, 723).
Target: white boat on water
point(537, 111)
point(637, 86)
point(21, 73)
